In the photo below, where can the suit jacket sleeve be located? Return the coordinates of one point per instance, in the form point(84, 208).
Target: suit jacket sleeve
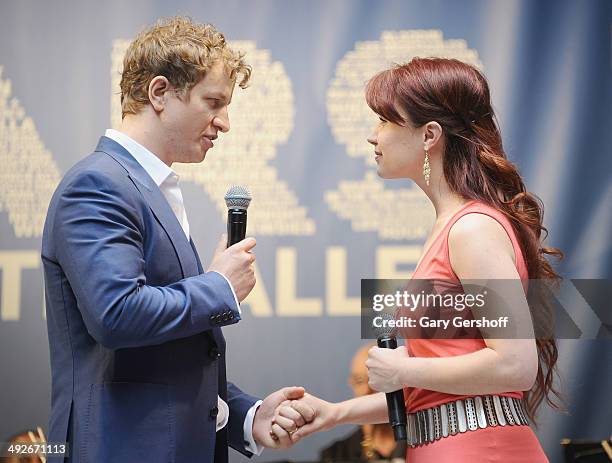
point(239, 404)
point(98, 237)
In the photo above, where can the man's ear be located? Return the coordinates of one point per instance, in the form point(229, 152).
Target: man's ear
point(432, 135)
point(158, 87)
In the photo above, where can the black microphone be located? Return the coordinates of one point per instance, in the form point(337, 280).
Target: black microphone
point(237, 200)
point(395, 400)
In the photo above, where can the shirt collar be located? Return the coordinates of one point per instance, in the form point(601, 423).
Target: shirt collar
point(155, 167)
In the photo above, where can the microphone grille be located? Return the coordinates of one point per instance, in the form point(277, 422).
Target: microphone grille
point(386, 329)
point(237, 197)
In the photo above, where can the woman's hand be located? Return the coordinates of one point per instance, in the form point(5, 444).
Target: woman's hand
point(387, 368)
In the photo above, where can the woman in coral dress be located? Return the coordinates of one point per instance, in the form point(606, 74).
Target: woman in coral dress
point(468, 400)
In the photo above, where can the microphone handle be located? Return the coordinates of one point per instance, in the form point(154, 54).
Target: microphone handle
point(395, 400)
point(236, 225)
point(397, 414)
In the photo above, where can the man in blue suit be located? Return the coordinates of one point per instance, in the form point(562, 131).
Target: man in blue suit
point(134, 322)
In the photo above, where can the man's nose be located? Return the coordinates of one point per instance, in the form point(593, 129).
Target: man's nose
point(221, 121)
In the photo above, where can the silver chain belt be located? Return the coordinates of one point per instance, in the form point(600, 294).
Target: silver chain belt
point(463, 415)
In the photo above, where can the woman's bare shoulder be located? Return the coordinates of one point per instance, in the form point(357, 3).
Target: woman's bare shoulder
point(480, 247)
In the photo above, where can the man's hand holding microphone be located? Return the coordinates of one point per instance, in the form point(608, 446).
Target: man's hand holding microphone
point(236, 264)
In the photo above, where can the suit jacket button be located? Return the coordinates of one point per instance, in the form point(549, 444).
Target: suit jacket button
point(214, 412)
point(214, 353)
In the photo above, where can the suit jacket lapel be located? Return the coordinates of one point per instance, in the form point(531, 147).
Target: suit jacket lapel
point(156, 201)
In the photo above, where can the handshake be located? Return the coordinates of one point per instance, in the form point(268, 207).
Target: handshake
point(290, 414)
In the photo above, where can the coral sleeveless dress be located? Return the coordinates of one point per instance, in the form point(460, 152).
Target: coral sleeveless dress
point(508, 444)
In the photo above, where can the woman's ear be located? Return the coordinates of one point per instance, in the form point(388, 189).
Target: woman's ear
point(432, 135)
point(158, 87)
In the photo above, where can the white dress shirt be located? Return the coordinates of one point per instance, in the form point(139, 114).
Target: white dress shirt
point(168, 182)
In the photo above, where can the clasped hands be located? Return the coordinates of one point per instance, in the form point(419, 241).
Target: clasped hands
point(290, 414)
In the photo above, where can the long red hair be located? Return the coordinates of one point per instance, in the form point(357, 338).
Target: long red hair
point(456, 95)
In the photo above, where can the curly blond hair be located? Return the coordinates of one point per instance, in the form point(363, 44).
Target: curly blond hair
point(180, 50)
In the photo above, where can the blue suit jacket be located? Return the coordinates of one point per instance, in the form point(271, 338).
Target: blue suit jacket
point(137, 354)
